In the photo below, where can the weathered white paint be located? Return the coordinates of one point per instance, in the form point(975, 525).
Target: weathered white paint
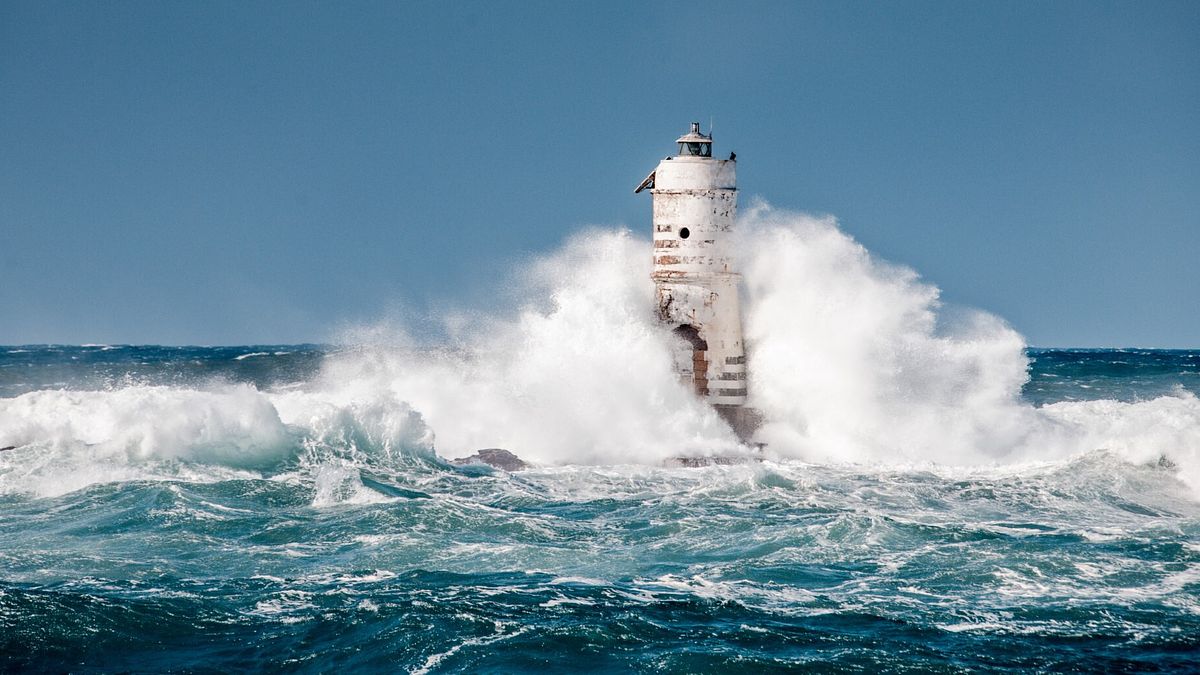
point(695, 201)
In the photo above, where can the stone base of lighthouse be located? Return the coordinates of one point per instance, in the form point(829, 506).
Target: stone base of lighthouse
point(742, 419)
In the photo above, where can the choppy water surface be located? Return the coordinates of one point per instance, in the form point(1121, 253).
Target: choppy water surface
point(343, 554)
point(933, 496)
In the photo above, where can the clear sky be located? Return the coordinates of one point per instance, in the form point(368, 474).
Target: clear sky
point(242, 172)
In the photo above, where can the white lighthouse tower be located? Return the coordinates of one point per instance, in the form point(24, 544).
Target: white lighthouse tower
point(695, 200)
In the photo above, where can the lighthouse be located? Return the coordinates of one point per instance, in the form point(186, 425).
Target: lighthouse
point(695, 199)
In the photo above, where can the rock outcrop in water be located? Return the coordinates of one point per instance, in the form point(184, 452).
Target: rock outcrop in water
point(494, 457)
point(698, 462)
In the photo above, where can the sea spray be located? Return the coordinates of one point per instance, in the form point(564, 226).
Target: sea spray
point(66, 440)
point(580, 373)
point(852, 359)
point(855, 359)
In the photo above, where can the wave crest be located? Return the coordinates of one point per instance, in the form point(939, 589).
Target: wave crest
point(852, 359)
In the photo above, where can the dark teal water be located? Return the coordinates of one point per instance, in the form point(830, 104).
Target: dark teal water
point(157, 513)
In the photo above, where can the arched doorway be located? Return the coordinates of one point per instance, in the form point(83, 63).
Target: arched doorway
point(698, 365)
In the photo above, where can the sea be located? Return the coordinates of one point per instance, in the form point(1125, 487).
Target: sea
point(928, 493)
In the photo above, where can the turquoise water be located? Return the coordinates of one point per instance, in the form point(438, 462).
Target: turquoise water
point(202, 509)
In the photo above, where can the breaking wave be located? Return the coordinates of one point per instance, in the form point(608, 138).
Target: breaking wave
point(852, 359)
point(855, 359)
point(62, 440)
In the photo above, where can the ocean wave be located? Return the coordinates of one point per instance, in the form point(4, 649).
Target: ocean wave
point(852, 360)
point(234, 425)
point(242, 357)
point(61, 441)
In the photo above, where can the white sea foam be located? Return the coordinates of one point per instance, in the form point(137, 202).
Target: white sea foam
point(234, 425)
point(242, 357)
point(580, 374)
point(66, 440)
point(432, 661)
point(341, 483)
point(852, 359)
point(855, 359)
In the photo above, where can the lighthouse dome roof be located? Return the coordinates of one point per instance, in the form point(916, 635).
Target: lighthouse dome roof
point(694, 136)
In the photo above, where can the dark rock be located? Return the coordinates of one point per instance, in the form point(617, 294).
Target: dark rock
point(8, 447)
point(493, 457)
point(719, 460)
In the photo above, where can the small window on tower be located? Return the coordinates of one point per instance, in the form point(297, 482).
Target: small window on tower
point(684, 233)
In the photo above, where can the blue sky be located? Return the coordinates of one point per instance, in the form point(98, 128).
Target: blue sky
point(226, 173)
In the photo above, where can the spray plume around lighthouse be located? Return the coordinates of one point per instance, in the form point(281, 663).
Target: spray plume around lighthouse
point(854, 359)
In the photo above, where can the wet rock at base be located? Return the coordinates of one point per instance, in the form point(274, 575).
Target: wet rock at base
point(493, 457)
point(700, 461)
